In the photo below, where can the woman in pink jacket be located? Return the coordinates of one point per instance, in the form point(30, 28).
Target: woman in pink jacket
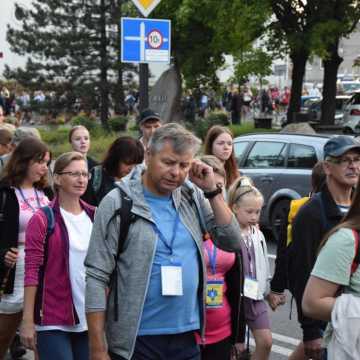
point(54, 320)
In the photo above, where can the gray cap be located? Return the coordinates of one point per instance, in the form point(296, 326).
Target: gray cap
point(23, 132)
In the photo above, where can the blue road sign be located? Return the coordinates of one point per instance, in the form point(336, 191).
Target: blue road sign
point(145, 40)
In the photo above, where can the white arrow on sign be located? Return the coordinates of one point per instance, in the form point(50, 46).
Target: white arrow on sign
point(143, 39)
point(146, 6)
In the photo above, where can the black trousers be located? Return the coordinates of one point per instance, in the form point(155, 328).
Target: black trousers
point(164, 347)
point(217, 351)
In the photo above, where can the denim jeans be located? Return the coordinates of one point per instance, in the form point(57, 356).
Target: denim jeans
point(62, 345)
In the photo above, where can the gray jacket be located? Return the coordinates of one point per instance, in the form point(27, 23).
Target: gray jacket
point(135, 262)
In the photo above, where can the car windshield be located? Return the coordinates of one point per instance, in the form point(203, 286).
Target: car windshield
point(351, 87)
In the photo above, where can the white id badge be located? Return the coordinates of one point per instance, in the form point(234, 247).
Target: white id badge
point(251, 288)
point(171, 280)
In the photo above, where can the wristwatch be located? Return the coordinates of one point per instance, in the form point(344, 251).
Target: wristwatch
point(211, 194)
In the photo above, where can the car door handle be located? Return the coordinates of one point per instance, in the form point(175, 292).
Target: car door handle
point(266, 178)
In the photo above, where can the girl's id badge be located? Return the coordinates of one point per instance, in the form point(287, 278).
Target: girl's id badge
point(251, 288)
point(171, 280)
point(214, 293)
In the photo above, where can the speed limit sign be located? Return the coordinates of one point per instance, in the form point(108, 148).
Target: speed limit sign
point(155, 39)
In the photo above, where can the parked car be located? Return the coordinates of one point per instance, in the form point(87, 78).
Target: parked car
point(352, 115)
point(314, 110)
point(349, 87)
point(306, 102)
point(280, 165)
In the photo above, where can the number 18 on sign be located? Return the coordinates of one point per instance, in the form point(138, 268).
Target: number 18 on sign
point(145, 40)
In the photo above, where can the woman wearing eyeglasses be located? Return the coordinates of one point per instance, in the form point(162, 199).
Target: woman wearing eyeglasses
point(23, 189)
point(54, 321)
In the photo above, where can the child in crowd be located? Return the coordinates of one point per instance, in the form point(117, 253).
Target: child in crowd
point(246, 202)
point(223, 300)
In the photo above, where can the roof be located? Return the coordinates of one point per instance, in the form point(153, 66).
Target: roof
point(287, 137)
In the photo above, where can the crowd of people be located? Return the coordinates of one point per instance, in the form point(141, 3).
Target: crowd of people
point(157, 254)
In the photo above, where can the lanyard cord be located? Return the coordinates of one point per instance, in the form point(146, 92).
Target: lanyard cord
point(212, 258)
point(163, 238)
point(26, 201)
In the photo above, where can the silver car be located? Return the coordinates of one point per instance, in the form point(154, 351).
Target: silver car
point(280, 165)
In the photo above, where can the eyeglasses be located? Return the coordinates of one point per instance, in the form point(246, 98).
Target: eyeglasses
point(346, 161)
point(76, 174)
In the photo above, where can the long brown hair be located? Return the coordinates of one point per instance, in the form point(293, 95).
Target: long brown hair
point(230, 165)
point(350, 221)
point(15, 171)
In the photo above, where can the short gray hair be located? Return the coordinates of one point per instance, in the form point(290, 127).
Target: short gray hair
point(181, 139)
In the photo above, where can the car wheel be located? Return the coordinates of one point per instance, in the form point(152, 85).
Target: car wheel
point(279, 212)
point(347, 130)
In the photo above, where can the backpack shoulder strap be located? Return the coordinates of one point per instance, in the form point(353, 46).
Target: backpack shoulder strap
point(323, 214)
point(48, 211)
point(356, 261)
point(96, 178)
point(2, 204)
point(126, 218)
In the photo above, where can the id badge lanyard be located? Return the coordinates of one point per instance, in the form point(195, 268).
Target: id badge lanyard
point(169, 245)
point(171, 275)
point(214, 287)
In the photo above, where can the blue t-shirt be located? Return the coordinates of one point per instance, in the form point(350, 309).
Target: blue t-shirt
point(171, 314)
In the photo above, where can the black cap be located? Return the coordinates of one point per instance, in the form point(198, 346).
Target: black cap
point(339, 145)
point(148, 114)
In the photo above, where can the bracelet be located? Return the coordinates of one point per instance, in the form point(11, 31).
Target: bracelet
point(212, 194)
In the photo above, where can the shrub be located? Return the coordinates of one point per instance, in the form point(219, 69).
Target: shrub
point(118, 123)
point(54, 135)
point(218, 118)
point(83, 120)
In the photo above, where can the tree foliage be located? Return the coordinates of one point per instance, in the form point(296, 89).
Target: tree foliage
point(70, 42)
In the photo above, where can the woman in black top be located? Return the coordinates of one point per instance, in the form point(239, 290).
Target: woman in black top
point(23, 189)
point(124, 153)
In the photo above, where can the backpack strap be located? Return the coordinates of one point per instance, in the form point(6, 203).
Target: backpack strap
point(96, 179)
point(356, 261)
point(126, 219)
point(2, 205)
point(323, 214)
point(49, 213)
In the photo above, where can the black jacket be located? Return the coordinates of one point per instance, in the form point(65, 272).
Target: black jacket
point(279, 281)
point(234, 280)
point(308, 229)
point(91, 162)
point(98, 186)
point(9, 230)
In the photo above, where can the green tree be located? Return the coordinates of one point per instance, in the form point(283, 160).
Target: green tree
point(291, 33)
point(253, 61)
point(337, 19)
point(304, 28)
point(72, 42)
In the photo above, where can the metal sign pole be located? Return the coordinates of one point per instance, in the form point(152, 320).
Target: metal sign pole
point(143, 83)
point(144, 86)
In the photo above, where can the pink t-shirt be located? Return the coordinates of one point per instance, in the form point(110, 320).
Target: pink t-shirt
point(29, 201)
point(218, 320)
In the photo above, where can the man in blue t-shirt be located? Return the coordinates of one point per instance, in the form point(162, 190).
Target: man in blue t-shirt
point(161, 270)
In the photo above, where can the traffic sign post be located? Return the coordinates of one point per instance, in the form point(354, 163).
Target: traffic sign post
point(146, 6)
point(145, 40)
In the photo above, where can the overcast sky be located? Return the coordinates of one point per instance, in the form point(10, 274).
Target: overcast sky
point(7, 16)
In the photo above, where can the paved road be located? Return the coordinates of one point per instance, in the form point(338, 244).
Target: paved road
point(286, 333)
